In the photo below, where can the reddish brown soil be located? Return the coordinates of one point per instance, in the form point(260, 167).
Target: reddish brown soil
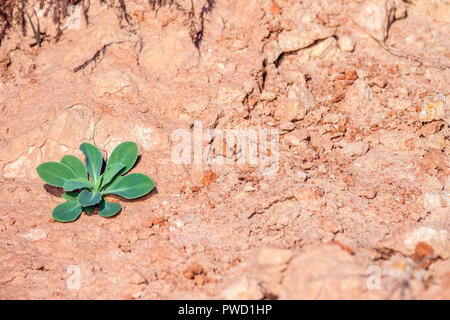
point(362, 190)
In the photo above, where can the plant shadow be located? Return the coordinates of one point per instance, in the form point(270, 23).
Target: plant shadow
point(54, 191)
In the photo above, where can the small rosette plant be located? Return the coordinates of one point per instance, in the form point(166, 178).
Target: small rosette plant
point(85, 185)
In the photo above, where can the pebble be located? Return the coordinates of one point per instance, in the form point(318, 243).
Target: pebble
point(287, 126)
point(376, 17)
point(138, 278)
point(267, 96)
point(35, 235)
point(433, 109)
point(346, 43)
point(433, 201)
point(243, 289)
point(357, 149)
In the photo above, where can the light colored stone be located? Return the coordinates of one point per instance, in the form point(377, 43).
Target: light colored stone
point(302, 37)
point(324, 273)
point(138, 278)
point(355, 149)
point(376, 16)
point(35, 235)
point(297, 104)
point(322, 50)
point(270, 263)
point(267, 96)
point(400, 9)
point(287, 126)
point(243, 289)
point(272, 51)
point(397, 140)
point(346, 43)
point(308, 194)
point(436, 200)
point(433, 109)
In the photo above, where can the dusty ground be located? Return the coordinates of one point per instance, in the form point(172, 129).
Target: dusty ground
point(359, 207)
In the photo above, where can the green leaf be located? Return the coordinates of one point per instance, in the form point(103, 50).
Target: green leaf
point(87, 198)
point(55, 173)
point(76, 165)
point(67, 211)
point(74, 184)
point(108, 209)
point(94, 161)
point(126, 153)
point(89, 209)
point(111, 172)
point(131, 186)
point(70, 196)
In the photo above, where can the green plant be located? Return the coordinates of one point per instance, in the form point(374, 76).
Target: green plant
point(84, 194)
point(37, 32)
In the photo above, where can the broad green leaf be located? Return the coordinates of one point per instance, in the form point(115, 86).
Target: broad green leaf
point(94, 161)
point(55, 173)
point(111, 172)
point(70, 196)
point(130, 186)
point(74, 184)
point(108, 209)
point(67, 211)
point(87, 198)
point(89, 209)
point(126, 153)
point(76, 165)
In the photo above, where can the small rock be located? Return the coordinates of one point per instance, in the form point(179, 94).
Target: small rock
point(351, 75)
point(10, 221)
point(330, 224)
point(399, 140)
point(434, 159)
point(377, 16)
point(302, 37)
point(270, 264)
point(249, 187)
point(267, 96)
point(287, 126)
point(209, 177)
point(193, 270)
point(423, 254)
point(308, 194)
point(300, 175)
point(199, 279)
point(298, 103)
point(35, 235)
point(296, 138)
point(346, 43)
point(272, 51)
point(433, 201)
point(322, 50)
point(400, 10)
point(434, 109)
point(243, 289)
point(138, 278)
point(379, 81)
point(357, 149)
point(314, 269)
point(369, 193)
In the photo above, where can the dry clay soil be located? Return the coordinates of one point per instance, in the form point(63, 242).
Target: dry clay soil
point(359, 206)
